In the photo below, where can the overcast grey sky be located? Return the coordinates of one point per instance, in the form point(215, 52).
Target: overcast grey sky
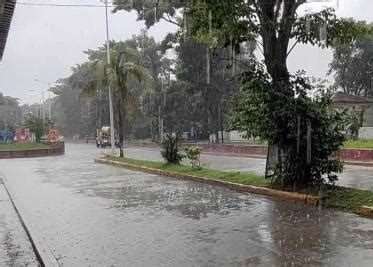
point(45, 42)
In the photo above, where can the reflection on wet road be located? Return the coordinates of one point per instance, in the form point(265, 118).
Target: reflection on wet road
point(98, 215)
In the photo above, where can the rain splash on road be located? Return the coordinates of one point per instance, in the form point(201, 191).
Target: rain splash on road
point(98, 215)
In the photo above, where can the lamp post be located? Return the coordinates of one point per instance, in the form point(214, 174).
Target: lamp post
point(49, 98)
point(110, 95)
point(41, 109)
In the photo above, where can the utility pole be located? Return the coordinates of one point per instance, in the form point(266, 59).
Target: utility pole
point(112, 130)
point(42, 106)
point(161, 107)
point(151, 114)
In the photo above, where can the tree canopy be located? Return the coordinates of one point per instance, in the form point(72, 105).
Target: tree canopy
point(352, 66)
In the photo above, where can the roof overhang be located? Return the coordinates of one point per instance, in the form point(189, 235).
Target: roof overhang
point(6, 15)
point(341, 99)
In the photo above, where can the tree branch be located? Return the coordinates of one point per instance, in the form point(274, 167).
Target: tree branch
point(300, 2)
point(291, 49)
point(260, 49)
point(278, 8)
point(170, 21)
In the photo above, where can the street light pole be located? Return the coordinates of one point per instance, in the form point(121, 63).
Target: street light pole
point(112, 131)
point(49, 98)
point(42, 106)
point(49, 102)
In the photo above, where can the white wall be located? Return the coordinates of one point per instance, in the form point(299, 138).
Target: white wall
point(366, 133)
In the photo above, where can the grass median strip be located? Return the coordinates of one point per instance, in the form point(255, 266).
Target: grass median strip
point(349, 199)
point(235, 177)
point(367, 144)
point(20, 147)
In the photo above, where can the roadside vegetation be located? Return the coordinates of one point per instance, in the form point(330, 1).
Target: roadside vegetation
point(348, 199)
point(236, 177)
point(19, 147)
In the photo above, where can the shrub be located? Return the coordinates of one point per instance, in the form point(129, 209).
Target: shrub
point(170, 148)
point(193, 153)
point(36, 126)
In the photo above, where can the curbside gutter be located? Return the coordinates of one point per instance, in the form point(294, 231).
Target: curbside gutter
point(42, 251)
point(307, 199)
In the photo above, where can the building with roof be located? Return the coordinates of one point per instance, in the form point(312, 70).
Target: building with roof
point(341, 99)
point(6, 14)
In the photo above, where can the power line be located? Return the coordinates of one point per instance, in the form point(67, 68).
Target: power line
point(103, 6)
point(61, 5)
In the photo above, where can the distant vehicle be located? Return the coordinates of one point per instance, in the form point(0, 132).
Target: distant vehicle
point(6, 137)
point(103, 138)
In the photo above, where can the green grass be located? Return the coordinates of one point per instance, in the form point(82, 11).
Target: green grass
point(359, 144)
point(348, 199)
point(18, 147)
point(237, 177)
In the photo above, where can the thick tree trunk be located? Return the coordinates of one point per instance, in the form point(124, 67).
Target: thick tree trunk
point(276, 34)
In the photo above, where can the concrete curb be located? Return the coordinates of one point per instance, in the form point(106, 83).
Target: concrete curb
point(42, 251)
point(365, 211)
point(307, 199)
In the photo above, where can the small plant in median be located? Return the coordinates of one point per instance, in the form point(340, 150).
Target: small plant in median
point(36, 126)
point(193, 153)
point(170, 148)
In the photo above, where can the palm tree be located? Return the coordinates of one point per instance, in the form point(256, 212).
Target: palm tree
point(122, 70)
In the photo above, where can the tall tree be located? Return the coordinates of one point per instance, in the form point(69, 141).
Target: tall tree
point(279, 98)
point(10, 113)
point(123, 67)
point(352, 66)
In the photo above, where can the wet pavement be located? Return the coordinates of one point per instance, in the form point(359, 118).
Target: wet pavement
point(98, 215)
point(15, 247)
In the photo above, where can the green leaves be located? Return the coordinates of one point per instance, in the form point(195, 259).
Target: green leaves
point(338, 31)
point(170, 148)
point(352, 66)
point(36, 126)
point(267, 111)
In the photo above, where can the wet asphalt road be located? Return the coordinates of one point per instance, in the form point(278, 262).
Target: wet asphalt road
point(97, 215)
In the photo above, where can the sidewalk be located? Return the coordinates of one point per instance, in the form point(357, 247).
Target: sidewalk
point(15, 247)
